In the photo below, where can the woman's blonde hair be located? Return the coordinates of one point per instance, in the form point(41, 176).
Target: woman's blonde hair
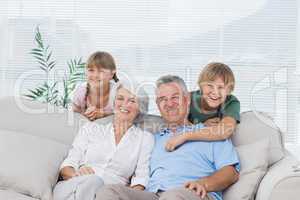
point(214, 70)
point(101, 59)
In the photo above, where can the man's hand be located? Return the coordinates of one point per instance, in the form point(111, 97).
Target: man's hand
point(84, 170)
point(174, 142)
point(197, 187)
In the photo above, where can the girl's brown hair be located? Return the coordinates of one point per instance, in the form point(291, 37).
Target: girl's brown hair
point(215, 69)
point(101, 59)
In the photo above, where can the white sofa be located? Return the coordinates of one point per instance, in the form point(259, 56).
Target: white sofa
point(35, 137)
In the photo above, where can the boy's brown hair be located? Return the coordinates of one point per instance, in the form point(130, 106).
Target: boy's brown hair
point(216, 69)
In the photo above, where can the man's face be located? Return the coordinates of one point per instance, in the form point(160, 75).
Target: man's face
point(172, 102)
point(214, 93)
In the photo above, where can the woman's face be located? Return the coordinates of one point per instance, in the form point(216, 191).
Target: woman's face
point(96, 75)
point(126, 105)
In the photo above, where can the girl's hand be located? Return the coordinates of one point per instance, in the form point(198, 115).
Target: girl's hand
point(93, 113)
point(84, 170)
point(89, 111)
point(174, 142)
point(99, 113)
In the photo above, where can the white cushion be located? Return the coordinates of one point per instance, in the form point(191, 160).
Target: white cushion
point(254, 164)
point(29, 164)
point(256, 126)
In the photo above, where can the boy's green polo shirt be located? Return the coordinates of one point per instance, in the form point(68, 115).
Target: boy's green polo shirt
point(231, 108)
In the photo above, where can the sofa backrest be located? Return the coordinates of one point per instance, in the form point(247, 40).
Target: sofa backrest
point(257, 126)
point(44, 120)
point(254, 126)
point(38, 119)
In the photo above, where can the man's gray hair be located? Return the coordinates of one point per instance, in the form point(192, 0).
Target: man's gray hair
point(172, 79)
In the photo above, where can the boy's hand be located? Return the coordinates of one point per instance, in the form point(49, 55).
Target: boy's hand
point(198, 187)
point(212, 122)
point(174, 142)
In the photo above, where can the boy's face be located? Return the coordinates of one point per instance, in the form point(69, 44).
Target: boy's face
point(214, 93)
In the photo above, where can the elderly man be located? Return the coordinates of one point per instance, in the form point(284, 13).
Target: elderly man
point(195, 170)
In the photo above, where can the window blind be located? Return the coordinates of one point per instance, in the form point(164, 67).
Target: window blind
point(257, 39)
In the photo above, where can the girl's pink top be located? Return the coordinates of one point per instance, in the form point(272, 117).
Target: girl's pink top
point(79, 97)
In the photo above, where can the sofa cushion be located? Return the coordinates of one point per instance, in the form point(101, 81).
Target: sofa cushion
point(30, 164)
point(39, 119)
point(12, 195)
point(257, 126)
point(254, 164)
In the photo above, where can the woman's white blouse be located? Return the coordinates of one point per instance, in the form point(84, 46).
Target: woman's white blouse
point(127, 162)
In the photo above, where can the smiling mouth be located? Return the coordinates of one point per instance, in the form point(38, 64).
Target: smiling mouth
point(123, 110)
point(172, 112)
point(214, 99)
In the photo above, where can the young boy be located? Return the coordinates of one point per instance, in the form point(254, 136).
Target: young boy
point(213, 105)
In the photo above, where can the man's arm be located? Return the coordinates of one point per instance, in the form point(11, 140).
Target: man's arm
point(219, 181)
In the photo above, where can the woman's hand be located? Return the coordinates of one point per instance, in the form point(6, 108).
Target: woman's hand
point(174, 142)
point(198, 187)
point(138, 187)
point(68, 172)
point(84, 170)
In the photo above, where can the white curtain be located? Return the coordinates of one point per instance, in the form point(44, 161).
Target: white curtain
point(257, 38)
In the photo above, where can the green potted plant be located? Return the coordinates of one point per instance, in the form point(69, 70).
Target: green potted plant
point(48, 91)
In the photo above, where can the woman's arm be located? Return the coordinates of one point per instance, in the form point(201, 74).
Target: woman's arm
point(141, 175)
point(76, 153)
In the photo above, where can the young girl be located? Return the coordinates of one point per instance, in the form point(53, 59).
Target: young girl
point(213, 105)
point(94, 98)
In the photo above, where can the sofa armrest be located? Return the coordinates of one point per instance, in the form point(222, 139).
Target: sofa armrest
point(282, 181)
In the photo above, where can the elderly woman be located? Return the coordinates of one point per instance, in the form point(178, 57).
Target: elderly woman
point(118, 152)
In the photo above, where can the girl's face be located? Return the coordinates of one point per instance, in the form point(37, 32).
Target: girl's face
point(95, 75)
point(214, 93)
point(126, 105)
